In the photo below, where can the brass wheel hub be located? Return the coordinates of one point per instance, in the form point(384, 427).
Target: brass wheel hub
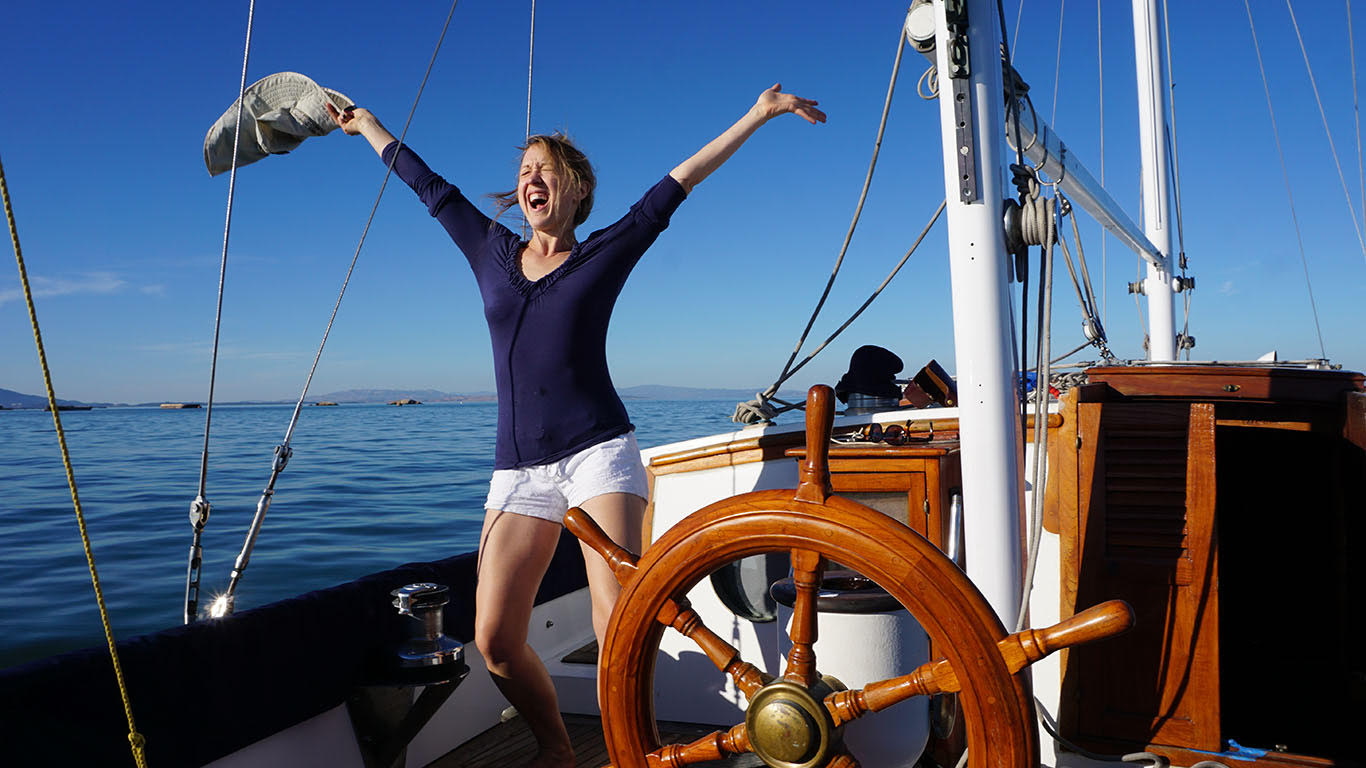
point(789, 726)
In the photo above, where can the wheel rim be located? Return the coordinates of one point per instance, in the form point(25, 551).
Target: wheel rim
point(996, 705)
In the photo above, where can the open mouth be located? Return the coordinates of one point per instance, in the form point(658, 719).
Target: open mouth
point(538, 200)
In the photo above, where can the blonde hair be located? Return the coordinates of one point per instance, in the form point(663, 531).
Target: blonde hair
point(570, 161)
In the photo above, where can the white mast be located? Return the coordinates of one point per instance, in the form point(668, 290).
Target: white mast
point(1152, 125)
point(970, 113)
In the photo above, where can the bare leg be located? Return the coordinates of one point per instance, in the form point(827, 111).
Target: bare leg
point(514, 553)
point(620, 515)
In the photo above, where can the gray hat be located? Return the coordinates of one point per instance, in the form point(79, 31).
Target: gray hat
point(279, 111)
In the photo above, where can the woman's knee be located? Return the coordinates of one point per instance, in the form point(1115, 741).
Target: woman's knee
point(498, 643)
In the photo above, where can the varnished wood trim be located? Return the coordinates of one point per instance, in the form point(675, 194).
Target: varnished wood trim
point(1062, 464)
point(648, 524)
point(881, 452)
point(1221, 382)
point(1292, 426)
point(871, 482)
point(1354, 428)
point(1201, 619)
point(731, 453)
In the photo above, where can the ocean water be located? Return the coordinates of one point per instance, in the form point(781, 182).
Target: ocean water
point(369, 487)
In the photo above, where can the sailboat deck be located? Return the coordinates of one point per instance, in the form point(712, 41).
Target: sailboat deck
point(511, 744)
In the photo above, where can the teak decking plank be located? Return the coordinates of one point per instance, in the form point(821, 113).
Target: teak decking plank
point(511, 744)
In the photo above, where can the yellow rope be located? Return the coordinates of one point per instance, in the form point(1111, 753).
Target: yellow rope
point(135, 739)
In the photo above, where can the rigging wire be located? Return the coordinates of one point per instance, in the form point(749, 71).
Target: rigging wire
point(1356, 110)
point(758, 408)
point(530, 68)
point(1100, 100)
point(1175, 171)
point(1285, 175)
point(1057, 65)
point(1324, 117)
point(1013, 116)
point(199, 508)
point(136, 740)
point(1019, 14)
point(224, 603)
point(530, 61)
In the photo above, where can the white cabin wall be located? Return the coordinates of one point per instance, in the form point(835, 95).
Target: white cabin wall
point(696, 692)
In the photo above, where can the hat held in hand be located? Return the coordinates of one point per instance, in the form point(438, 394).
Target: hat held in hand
point(279, 111)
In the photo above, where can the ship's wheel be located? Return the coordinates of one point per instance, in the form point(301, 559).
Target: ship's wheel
point(797, 720)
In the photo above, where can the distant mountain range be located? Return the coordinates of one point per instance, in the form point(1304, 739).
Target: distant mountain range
point(640, 392)
point(11, 399)
point(389, 395)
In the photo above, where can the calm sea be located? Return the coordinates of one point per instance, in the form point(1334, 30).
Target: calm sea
point(369, 487)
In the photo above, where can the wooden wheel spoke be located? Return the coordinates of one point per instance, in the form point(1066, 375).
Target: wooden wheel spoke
point(845, 706)
point(713, 746)
point(680, 615)
point(807, 570)
point(1018, 651)
point(1098, 622)
point(676, 613)
point(585, 529)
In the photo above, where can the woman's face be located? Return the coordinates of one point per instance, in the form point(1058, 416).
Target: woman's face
point(547, 196)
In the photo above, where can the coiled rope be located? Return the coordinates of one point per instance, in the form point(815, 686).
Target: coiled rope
point(283, 451)
point(136, 740)
point(761, 407)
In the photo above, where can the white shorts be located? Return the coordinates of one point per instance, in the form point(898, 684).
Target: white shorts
point(548, 491)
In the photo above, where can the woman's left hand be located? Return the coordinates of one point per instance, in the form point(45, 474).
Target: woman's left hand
point(771, 103)
point(774, 102)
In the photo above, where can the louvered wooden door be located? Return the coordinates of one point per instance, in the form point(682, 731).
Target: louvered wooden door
point(1145, 500)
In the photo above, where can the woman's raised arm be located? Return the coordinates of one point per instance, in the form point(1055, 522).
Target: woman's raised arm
point(771, 103)
point(362, 122)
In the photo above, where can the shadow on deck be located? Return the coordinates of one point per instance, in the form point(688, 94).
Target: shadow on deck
point(510, 744)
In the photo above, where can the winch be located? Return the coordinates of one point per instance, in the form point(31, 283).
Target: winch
point(427, 656)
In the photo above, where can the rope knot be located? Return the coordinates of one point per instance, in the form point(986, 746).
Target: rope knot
point(1026, 181)
point(755, 411)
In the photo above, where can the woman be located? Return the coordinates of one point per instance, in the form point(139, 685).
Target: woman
point(564, 438)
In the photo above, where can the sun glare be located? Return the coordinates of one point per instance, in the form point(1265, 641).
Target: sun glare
point(220, 607)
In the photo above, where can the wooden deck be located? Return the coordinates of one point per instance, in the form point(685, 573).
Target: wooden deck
point(509, 744)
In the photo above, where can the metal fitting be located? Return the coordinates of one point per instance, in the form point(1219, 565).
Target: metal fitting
point(199, 512)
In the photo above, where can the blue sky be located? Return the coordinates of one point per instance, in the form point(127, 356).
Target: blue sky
point(106, 105)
